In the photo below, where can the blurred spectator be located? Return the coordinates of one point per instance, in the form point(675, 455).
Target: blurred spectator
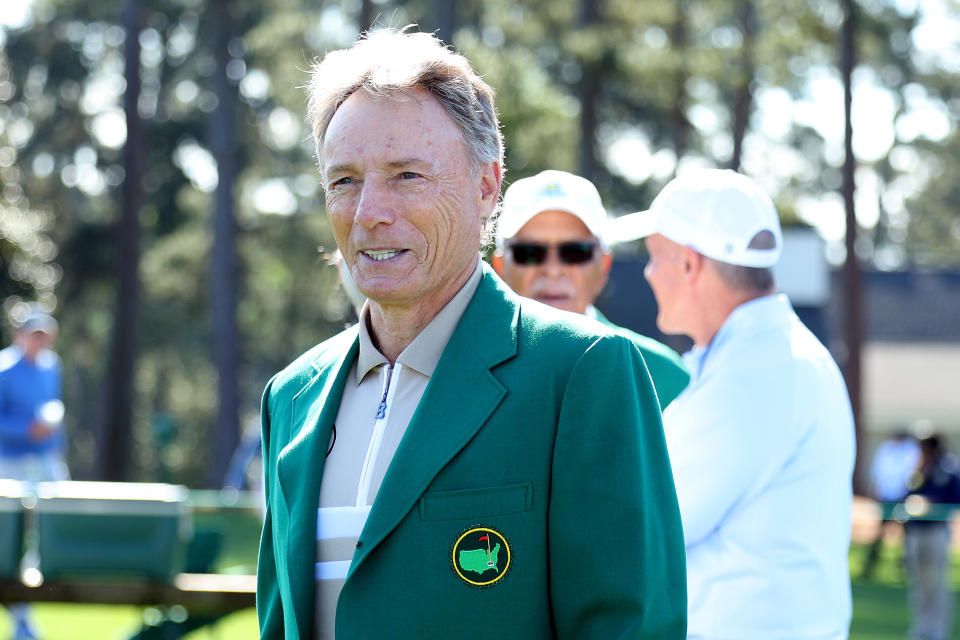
point(31, 417)
point(936, 481)
point(894, 462)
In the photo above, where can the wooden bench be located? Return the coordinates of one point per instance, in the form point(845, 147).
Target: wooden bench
point(200, 593)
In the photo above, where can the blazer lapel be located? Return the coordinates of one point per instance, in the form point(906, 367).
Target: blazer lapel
point(300, 469)
point(460, 397)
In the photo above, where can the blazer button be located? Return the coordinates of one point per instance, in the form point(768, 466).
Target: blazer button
point(359, 544)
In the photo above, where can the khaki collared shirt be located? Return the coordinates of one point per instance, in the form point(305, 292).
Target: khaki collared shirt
point(374, 414)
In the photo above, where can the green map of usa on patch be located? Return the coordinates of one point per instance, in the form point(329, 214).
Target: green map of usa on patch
point(478, 560)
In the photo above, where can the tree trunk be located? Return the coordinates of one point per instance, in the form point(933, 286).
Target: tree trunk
point(114, 445)
point(445, 19)
point(680, 126)
point(589, 94)
point(853, 308)
point(223, 275)
point(743, 101)
point(366, 15)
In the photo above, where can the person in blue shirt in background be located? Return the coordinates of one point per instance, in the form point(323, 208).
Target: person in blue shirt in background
point(31, 410)
point(927, 539)
point(31, 415)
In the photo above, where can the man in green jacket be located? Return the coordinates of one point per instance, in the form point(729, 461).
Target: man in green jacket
point(462, 463)
point(551, 247)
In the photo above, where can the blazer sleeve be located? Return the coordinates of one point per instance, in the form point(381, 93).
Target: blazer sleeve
point(616, 554)
point(269, 606)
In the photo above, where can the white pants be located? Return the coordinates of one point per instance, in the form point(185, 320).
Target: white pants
point(35, 467)
point(927, 560)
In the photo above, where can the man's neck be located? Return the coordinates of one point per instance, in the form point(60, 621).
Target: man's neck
point(716, 314)
point(393, 327)
point(28, 355)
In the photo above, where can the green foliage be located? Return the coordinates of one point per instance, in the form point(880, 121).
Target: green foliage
point(67, 77)
point(671, 77)
point(933, 232)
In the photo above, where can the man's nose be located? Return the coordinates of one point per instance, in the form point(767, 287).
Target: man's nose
point(553, 265)
point(375, 205)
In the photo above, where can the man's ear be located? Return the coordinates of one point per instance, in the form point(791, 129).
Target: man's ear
point(496, 261)
point(606, 263)
point(692, 264)
point(490, 180)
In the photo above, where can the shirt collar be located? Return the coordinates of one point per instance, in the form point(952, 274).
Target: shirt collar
point(750, 317)
point(370, 357)
point(423, 354)
point(756, 313)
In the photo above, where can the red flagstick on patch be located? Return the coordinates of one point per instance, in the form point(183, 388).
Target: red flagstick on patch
point(489, 556)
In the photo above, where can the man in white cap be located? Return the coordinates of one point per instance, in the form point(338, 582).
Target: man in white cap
point(551, 247)
point(31, 413)
point(761, 442)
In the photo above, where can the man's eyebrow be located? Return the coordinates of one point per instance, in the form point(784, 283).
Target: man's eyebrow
point(338, 168)
point(407, 162)
point(394, 165)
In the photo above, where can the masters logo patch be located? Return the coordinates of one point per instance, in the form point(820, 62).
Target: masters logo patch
point(481, 556)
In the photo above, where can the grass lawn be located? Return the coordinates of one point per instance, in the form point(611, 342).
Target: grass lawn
point(879, 612)
point(94, 622)
point(880, 604)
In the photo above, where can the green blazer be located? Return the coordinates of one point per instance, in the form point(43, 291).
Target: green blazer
point(666, 368)
point(531, 496)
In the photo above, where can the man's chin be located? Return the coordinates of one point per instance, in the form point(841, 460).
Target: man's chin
point(670, 328)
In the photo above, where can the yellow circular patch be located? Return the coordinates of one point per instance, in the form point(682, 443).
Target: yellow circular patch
point(481, 556)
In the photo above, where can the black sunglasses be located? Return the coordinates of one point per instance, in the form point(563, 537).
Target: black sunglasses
point(535, 253)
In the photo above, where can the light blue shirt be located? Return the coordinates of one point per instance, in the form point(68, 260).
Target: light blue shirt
point(762, 448)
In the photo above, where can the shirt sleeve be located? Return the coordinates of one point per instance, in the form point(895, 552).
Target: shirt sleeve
point(617, 564)
point(725, 440)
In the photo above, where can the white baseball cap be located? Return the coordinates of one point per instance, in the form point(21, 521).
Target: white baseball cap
point(717, 212)
point(38, 321)
point(551, 191)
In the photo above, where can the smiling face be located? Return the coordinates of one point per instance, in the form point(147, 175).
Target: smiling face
point(571, 287)
point(405, 206)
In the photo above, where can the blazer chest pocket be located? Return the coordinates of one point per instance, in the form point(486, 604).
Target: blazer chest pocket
point(465, 504)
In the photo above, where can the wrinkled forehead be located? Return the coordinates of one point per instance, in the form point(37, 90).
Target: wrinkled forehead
point(411, 126)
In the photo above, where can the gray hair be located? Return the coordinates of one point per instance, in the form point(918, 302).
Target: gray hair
point(756, 280)
point(390, 63)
